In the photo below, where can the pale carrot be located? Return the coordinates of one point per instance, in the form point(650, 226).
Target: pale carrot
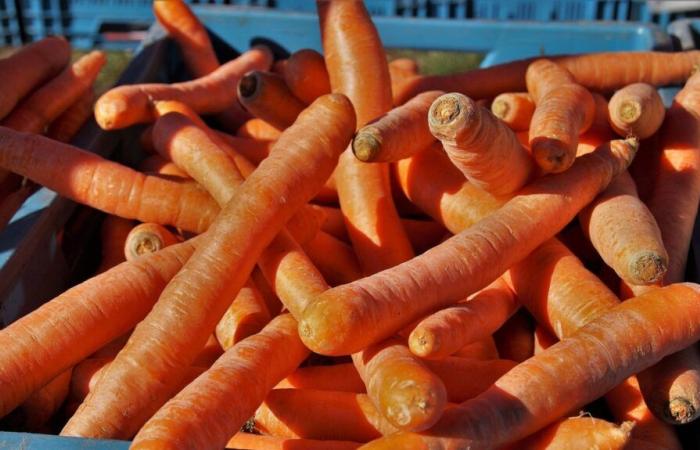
point(306, 75)
point(266, 96)
point(636, 110)
point(515, 109)
point(257, 442)
point(246, 316)
point(67, 125)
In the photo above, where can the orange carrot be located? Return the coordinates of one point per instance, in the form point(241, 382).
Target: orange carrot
point(445, 332)
point(482, 350)
point(46, 58)
point(279, 66)
point(424, 234)
point(483, 148)
point(402, 70)
point(338, 377)
point(333, 415)
point(147, 238)
point(38, 409)
point(335, 259)
point(465, 378)
point(211, 351)
point(563, 110)
point(256, 442)
point(406, 393)
point(306, 75)
point(266, 96)
point(515, 109)
point(128, 105)
point(67, 125)
point(400, 133)
point(251, 369)
point(258, 129)
point(158, 165)
point(636, 110)
point(47, 103)
point(348, 318)
point(254, 150)
point(87, 178)
point(113, 236)
point(579, 433)
point(246, 316)
point(357, 67)
point(515, 339)
point(249, 222)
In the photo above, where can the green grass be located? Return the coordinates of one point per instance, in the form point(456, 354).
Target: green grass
point(438, 62)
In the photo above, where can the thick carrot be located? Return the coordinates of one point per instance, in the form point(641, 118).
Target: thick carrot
point(148, 238)
point(483, 148)
point(183, 26)
point(532, 394)
point(207, 413)
point(357, 67)
point(398, 134)
point(348, 318)
point(515, 109)
point(87, 178)
point(636, 110)
point(156, 164)
point(258, 129)
point(67, 125)
point(306, 75)
point(47, 103)
point(46, 58)
point(332, 415)
point(466, 378)
point(563, 110)
point(128, 105)
point(266, 96)
point(338, 377)
point(249, 222)
point(402, 388)
point(246, 316)
point(257, 442)
point(625, 233)
point(579, 433)
point(446, 331)
point(482, 350)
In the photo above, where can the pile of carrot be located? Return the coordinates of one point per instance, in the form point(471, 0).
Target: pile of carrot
point(347, 254)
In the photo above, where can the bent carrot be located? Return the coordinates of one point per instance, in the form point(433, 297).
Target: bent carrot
point(257, 442)
point(483, 148)
point(67, 125)
point(266, 96)
point(579, 433)
point(147, 238)
point(398, 134)
point(515, 109)
point(258, 129)
point(636, 110)
point(246, 316)
point(467, 262)
point(306, 75)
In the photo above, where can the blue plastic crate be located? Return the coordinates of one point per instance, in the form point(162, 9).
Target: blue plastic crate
point(9, 24)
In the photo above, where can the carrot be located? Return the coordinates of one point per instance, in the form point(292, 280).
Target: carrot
point(580, 433)
point(48, 102)
point(515, 109)
point(465, 378)
point(251, 369)
point(563, 110)
point(402, 388)
point(89, 179)
point(483, 148)
point(67, 125)
point(348, 318)
point(43, 404)
point(246, 316)
point(192, 38)
point(129, 105)
point(258, 129)
point(401, 70)
point(515, 339)
point(113, 236)
point(332, 415)
point(114, 346)
point(446, 331)
point(147, 238)
point(636, 110)
point(482, 350)
point(532, 395)
point(338, 377)
point(211, 351)
point(249, 222)
point(398, 134)
point(156, 164)
point(279, 66)
point(306, 75)
point(424, 234)
point(357, 67)
point(257, 442)
point(254, 150)
point(335, 259)
point(46, 58)
point(625, 233)
point(80, 321)
point(266, 96)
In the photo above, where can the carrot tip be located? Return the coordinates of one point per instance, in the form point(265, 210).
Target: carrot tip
point(366, 145)
point(648, 268)
point(629, 111)
point(449, 114)
point(500, 108)
point(248, 86)
point(422, 344)
point(551, 154)
point(681, 411)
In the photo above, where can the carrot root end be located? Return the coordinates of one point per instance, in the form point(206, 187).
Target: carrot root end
point(681, 411)
point(648, 268)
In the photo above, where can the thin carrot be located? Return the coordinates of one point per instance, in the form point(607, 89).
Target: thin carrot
point(348, 318)
point(246, 316)
point(258, 129)
point(335, 259)
point(46, 58)
point(306, 75)
point(563, 110)
point(398, 134)
point(446, 331)
point(482, 350)
point(515, 109)
point(129, 105)
point(532, 394)
point(338, 377)
point(47, 103)
point(67, 125)
point(580, 433)
point(357, 67)
point(266, 96)
point(156, 164)
point(483, 148)
point(251, 369)
point(636, 110)
point(332, 415)
point(256, 442)
point(147, 238)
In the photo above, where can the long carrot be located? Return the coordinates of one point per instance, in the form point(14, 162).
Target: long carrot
point(402, 70)
point(636, 110)
point(147, 238)
point(306, 75)
point(246, 315)
point(258, 129)
point(207, 413)
point(398, 134)
point(47, 103)
point(46, 58)
point(43, 404)
point(580, 433)
point(357, 67)
point(266, 96)
point(483, 148)
point(335, 259)
point(483, 350)
point(67, 125)
point(249, 222)
point(128, 105)
point(255, 150)
point(515, 109)
point(446, 331)
point(156, 164)
point(348, 318)
point(515, 340)
point(466, 378)
point(257, 442)
point(532, 394)
point(338, 377)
